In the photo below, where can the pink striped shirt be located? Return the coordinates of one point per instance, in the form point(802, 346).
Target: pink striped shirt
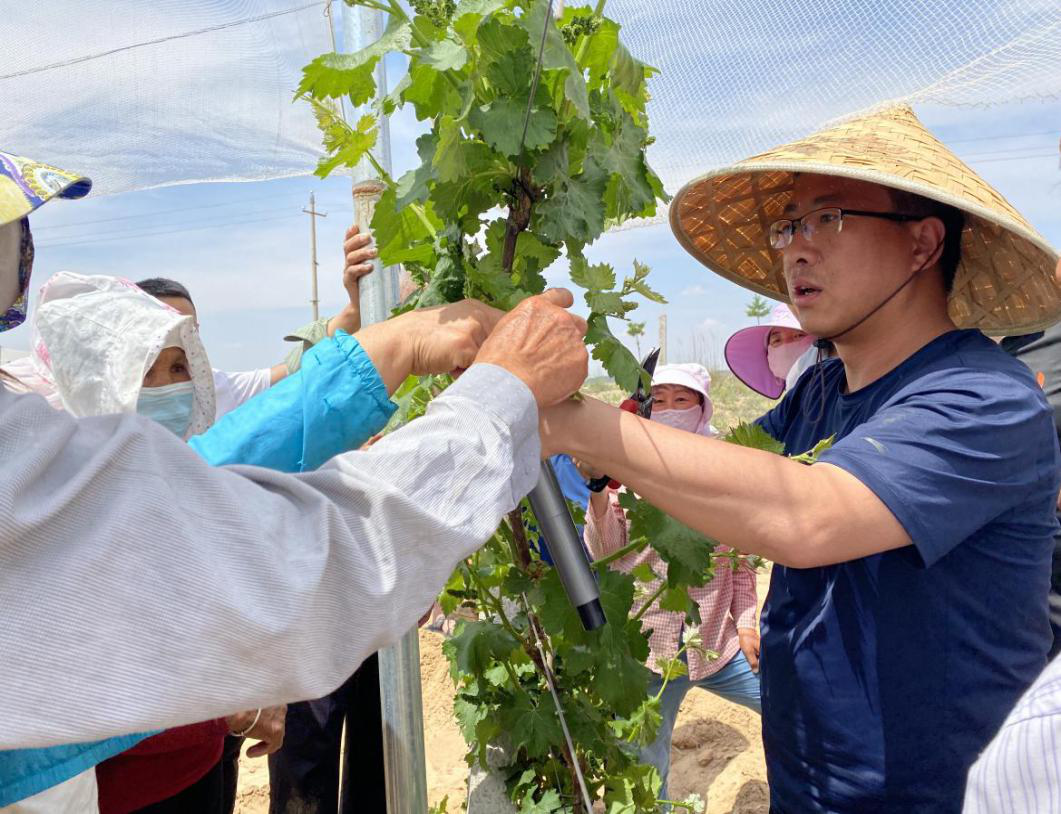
point(726, 603)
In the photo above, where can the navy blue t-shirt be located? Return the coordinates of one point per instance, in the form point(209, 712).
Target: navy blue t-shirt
point(884, 677)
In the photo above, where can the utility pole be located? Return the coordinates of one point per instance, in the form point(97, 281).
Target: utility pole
point(663, 339)
point(313, 215)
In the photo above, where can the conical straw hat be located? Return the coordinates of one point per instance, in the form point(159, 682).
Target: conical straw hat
point(1005, 281)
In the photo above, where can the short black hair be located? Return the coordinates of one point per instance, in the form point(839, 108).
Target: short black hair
point(953, 224)
point(159, 287)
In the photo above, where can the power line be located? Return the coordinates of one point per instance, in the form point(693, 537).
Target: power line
point(1001, 137)
point(165, 232)
point(155, 213)
point(1011, 158)
point(136, 231)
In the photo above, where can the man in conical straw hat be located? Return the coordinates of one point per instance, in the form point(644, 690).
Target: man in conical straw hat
point(907, 608)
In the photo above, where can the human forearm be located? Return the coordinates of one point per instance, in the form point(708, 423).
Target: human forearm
point(200, 592)
point(349, 319)
point(754, 501)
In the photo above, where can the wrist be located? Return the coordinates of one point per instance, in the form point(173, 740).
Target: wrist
point(390, 349)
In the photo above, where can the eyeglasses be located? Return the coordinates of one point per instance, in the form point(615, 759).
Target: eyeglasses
point(824, 222)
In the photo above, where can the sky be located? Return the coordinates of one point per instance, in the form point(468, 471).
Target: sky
point(243, 249)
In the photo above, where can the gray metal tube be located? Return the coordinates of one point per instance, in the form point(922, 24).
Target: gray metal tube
point(569, 555)
point(399, 665)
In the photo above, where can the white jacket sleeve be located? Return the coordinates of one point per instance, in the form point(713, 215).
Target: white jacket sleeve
point(141, 589)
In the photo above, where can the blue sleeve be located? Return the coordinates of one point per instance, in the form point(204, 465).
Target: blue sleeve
point(25, 772)
point(955, 455)
point(571, 483)
point(334, 403)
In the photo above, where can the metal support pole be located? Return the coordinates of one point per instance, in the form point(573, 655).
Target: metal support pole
point(663, 339)
point(313, 215)
point(399, 665)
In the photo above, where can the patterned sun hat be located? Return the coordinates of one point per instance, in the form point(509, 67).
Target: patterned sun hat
point(26, 184)
point(1005, 280)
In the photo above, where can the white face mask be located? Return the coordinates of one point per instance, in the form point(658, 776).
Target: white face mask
point(687, 419)
point(10, 259)
point(782, 357)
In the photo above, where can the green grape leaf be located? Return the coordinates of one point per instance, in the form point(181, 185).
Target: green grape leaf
point(457, 157)
point(644, 723)
point(400, 234)
point(475, 644)
point(610, 303)
point(532, 725)
point(413, 185)
point(448, 600)
point(446, 284)
point(598, 277)
point(633, 790)
point(557, 56)
point(616, 595)
point(629, 192)
point(637, 283)
point(351, 75)
point(505, 56)
point(468, 714)
point(599, 52)
point(555, 612)
point(755, 437)
point(644, 573)
point(501, 125)
point(573, 212)
point(678, 600)
point(548, 804)
point(617, 359)
point(686, 552)
point(445, 55)
point(346, 146)
point(621, 679)
point(430, 93)
point(814, 453)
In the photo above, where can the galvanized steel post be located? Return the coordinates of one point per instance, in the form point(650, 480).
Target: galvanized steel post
point(399, 665)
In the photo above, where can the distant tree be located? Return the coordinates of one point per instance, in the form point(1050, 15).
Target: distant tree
point(757, 308)
point(636, 330)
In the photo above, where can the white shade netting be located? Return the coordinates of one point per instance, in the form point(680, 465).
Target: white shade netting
point(175, 91)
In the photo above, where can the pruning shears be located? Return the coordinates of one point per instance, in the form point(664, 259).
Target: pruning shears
point(639, 403)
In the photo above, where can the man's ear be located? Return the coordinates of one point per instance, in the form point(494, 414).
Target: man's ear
point(928, 241)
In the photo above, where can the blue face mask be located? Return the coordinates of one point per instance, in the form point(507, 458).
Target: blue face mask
point(171, 406)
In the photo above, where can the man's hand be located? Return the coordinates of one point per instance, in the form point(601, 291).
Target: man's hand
point(444, 339)
point(748, 638)
point(540, 342)
point(269, 729)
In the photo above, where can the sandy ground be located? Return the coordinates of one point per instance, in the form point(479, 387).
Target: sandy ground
point(716, 751)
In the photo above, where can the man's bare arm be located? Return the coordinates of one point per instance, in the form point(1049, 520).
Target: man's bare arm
point(757, 502)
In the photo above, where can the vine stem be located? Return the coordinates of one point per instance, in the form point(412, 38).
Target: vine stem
point(619, 553)
point(496, 607)
point(651, 601)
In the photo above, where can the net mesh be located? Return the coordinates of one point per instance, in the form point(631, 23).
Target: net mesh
point(178, 91)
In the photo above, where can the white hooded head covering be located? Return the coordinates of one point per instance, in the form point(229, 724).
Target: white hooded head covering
point(95, 338)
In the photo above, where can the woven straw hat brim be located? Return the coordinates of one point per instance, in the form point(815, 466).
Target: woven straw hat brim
point(1005, 282)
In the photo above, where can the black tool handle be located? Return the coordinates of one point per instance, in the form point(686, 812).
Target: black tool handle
point(569, 557)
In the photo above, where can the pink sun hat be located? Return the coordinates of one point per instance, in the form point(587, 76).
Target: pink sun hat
point(746, 352)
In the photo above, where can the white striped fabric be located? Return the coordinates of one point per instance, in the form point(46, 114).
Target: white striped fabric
point(1020, 771)
point(141, 589)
